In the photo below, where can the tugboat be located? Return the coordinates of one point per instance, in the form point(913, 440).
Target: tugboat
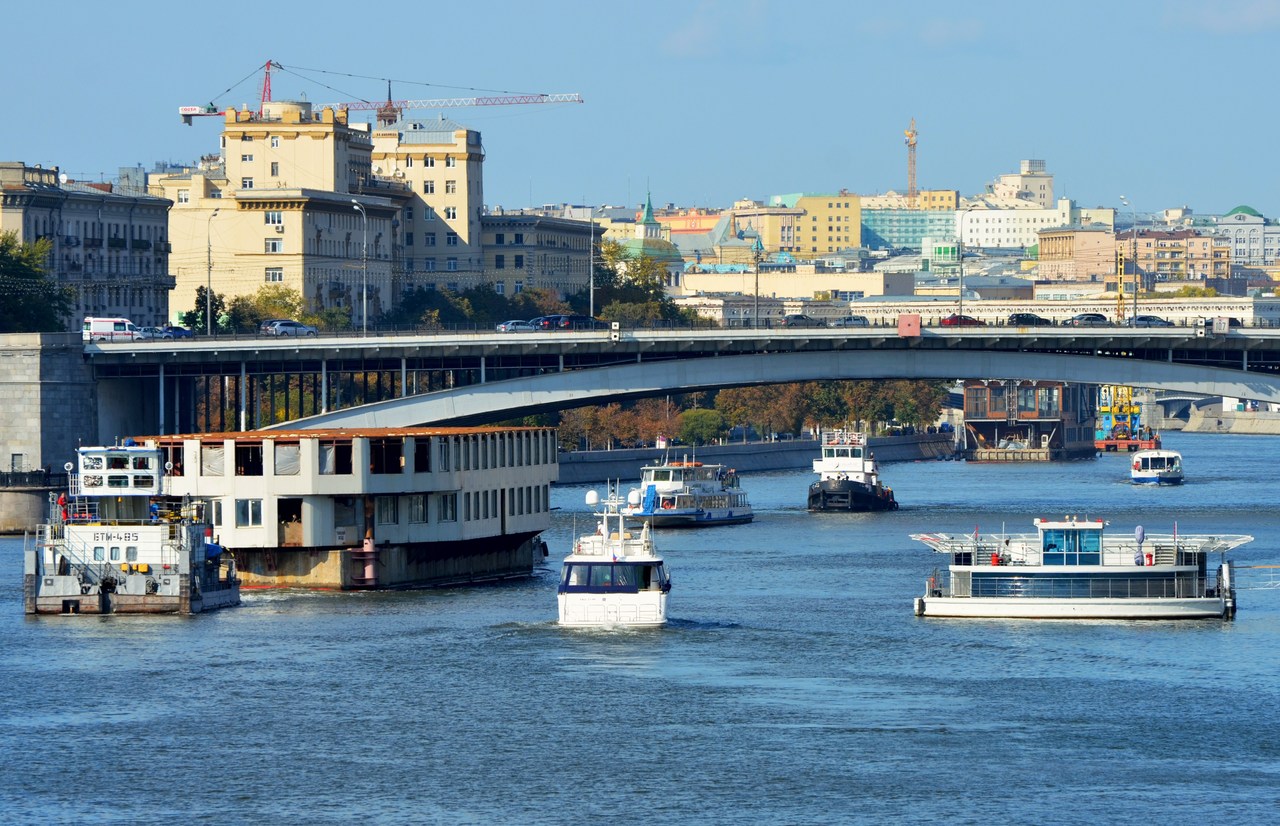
point(1068, 569)
point(614, 577)
point(689, 494)
point(848, 479)
point(116, 543)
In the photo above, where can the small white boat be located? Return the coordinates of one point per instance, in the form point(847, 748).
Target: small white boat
point(1156, 467)
point(614, 577)
point(1068, 569)
point(689, 494)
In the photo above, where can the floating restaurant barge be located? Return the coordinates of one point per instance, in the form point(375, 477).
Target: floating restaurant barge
point(1028, 421)
point(371, 508)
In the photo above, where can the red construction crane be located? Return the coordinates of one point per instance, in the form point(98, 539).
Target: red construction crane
point(389, 110)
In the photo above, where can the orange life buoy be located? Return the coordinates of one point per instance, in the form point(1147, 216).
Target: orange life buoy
point(1137, 464)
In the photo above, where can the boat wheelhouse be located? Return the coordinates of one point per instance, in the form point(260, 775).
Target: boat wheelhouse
point(373, 507)
point(848, 478)
point(614, 576)
point(120, 541)
point(1156, 467)
point(690, 494)
point(1071, 569)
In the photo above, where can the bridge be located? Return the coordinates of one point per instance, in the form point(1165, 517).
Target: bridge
point(470, 378)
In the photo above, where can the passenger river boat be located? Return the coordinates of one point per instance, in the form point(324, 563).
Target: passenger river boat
point(848, 478)
point(118, 542)
point(614, 576)
point(688, 494)
point(1156, 467)
point(1070, 569)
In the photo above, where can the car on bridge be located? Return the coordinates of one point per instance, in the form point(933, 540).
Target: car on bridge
point(1087, 320)
point(284, 327)
point(576, 322)
point(515, 326)
point(1028, 320)
point(958, 320)
point(175, 332)
point(851, 321)
point(1150, 321)
point(797, 320)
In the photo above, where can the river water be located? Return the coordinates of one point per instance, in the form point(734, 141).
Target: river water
point(793, 686)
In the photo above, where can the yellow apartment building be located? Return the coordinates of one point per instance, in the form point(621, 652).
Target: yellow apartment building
point(1077, 254)
point(291, 200)
point(830, 222)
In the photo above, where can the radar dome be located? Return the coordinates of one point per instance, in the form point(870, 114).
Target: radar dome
point(593, 498)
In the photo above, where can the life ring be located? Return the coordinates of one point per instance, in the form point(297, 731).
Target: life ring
point(1137, 464)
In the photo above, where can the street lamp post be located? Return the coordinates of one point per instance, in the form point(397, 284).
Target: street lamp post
point(960, 249)
point(1133, 260)
point(364, 267)
point(757, 250)
point(208, 287)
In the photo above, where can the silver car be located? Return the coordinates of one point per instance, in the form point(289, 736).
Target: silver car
point(288, 328)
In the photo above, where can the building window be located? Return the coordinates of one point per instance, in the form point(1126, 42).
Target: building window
point(500, 288)
point(519, 262)
point(499, 239)
point(272, 245)
point(519, 287)
point(429, 187)
point(275, 169)
point(273, 217)
point(451, 162)
point(428, 161)
point(248, 513)
point(388, 510)
point(451, 213)
point(408, 162)
point(429, 265)
point(246, 158)
point(450, 187)
point(451, 239)
point(408, 239)
point(448, 507)
point(275, 141)
point(451, 264)
point(246, 138)
point(408, 213)
point(184, 196)
point(246, 183)
point(518, 238)
point(499, 262)
point(429, 239)
point(417, 509)
point(275, 275)
point(428, 213)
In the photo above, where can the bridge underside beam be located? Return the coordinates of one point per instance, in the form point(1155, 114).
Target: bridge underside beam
point(501, 400)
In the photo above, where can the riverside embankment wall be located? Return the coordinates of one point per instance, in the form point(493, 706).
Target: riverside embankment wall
point(588, 466)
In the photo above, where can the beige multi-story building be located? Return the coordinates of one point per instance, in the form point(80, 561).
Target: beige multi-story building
point(926, 199)
point(1076, 254)
point(526, 251)
point(778, 227)
point(110, 244)
point(291, 201)
point(1178, 255)
point(442, 163)
point(830, 223)
point(1031, 182)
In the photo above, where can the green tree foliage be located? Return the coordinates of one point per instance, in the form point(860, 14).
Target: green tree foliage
point(701, 427)
point(629, 290)
point(194, 318)
point(1194, 292)
point(32, 301)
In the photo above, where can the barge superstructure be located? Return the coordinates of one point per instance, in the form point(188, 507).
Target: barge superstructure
point(373, 507)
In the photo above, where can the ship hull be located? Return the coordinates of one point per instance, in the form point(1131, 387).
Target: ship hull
point(849, 496)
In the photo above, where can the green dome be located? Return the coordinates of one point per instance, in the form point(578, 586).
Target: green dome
point(1245, 210)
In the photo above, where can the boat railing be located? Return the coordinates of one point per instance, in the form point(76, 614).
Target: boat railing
point(1183, 586)
point(79, 556)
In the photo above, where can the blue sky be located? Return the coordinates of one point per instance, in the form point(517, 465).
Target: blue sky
point(701, 102)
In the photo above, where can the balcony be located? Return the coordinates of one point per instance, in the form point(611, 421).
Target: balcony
point(140, 244)
point(93, 243)
point(117, 243)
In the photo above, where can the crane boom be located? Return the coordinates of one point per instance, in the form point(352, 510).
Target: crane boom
point(451, 103)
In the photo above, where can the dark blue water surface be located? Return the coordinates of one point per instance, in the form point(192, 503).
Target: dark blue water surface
point(794, 685)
